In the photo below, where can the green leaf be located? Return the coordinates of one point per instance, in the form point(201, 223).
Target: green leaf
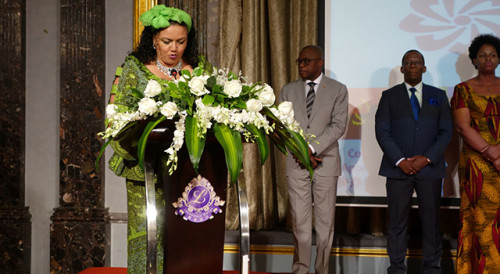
point(136, 93)
point(241, 105)
point(211, 81)
point(220, 98)
point(230, 140)
point(174, 90)
point(186, 72)
point(292, 140)
point(203, 63)
point(303, 149)
point(208, 99)
point(141, 146)
point(260, 138)
point(101, 152)
point(195, 144)
point(216, 89)
point(198, 71)
point(277, 142)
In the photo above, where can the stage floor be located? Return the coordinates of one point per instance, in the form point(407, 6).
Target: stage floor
point(272, 252)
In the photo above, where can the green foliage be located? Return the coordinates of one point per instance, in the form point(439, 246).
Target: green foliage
point(195, 145)
point(228, 117)
point(141, 147)
point(260, 138)
point(230, 140)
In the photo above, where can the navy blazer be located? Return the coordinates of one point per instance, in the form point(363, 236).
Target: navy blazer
point(401, 136)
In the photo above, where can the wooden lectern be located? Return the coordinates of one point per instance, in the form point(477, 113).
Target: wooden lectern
point(189, 247)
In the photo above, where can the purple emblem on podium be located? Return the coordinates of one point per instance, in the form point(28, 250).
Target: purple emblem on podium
point(199, 202)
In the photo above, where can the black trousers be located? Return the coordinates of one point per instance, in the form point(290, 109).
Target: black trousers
point(399, 194)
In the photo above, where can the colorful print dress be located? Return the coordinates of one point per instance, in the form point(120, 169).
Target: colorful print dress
point(478, 248)
point(135, 75)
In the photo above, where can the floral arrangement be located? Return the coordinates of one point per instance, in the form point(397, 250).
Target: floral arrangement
point(210, 99)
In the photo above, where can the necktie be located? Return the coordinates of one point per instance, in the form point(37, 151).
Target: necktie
point(310, 98)
point(414, 103)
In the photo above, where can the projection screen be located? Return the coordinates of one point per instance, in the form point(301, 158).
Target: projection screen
point(364, 42)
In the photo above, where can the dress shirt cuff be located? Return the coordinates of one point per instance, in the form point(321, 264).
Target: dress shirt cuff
point(312, 149)
point(399, 161)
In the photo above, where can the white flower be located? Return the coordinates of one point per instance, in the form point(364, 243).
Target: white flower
point(254, 105)
point(220, 80)
point(169, 109)
point(169, 150)
point(148, 106)
point(197, 85)
point(286, 109)
point(266, 95)
point(152, 89)
point(111, 110)
point(232, 88)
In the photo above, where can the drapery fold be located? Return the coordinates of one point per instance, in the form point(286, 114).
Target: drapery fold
point(263, 39)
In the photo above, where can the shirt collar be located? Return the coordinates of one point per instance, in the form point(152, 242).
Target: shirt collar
point(317, 80)
point(418, 86)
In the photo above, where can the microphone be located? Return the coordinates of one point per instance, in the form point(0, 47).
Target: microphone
point(173, 73)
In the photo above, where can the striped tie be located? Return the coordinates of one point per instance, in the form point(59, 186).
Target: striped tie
point(310, 98)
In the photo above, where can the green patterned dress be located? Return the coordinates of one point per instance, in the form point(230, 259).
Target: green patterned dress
point(134, 74)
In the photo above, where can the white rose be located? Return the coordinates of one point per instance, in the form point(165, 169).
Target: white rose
point(197, 85)
point(152, 89)
point(111, 110)
point(232, 88)
point(275, 111)
point(254, 105)
point(266, 96)
point(286, 109)
point(169, 109)
point(148, 106)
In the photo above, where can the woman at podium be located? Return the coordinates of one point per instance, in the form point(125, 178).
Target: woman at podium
point(167, 47)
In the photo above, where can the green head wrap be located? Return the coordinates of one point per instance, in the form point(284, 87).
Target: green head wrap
point(159, 16)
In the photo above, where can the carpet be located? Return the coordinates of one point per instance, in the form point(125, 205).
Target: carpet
point(121, 270)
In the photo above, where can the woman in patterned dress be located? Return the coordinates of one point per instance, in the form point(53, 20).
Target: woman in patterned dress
point(167, 46)
point(476, 113)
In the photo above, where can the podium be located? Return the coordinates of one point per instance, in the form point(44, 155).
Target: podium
point(189, 247)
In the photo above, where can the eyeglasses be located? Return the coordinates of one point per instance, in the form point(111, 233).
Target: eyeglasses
point(305, 61)
point(413, 63)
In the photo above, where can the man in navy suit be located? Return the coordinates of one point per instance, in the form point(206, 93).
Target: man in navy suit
point(413, 128)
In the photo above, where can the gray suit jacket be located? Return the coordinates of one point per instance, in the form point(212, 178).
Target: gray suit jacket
point(328, 122)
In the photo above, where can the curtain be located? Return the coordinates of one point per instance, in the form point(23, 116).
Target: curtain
point(262, 39)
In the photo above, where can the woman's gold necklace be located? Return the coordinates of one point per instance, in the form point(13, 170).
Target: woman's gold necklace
point(170, 72)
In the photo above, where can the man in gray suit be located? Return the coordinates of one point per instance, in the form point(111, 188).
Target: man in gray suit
point(320, 105)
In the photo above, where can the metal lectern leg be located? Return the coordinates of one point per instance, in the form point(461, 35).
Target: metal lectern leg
point(244, 229)
point(150, 217)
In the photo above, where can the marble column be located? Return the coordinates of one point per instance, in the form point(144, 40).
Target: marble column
point(80, 225)
point(15, 219)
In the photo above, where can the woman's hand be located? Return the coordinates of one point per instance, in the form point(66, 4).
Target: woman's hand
point(492, 153)
point(496, 164)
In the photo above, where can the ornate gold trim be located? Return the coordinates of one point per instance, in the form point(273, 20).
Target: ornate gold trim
point(140, 6)
point(357, 252)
